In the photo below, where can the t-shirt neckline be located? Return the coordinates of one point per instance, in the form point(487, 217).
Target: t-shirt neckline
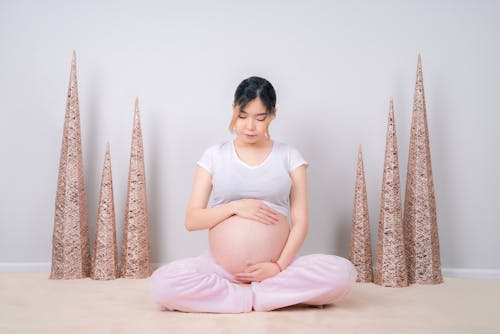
point(247, 165)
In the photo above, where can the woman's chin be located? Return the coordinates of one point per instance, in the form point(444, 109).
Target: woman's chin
point(236, 241)
point(251, 139)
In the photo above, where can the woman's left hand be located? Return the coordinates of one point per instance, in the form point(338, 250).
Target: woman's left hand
point(258, 272)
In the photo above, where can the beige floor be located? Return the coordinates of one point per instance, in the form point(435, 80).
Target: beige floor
point(31, 303)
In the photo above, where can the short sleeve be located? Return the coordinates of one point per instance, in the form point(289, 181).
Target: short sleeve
point(206, 160)
point(295, 159)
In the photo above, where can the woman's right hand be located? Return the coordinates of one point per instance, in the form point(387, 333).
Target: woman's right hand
point(256, 209)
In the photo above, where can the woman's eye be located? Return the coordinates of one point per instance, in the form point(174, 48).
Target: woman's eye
point(261, 118)
point(242, 117)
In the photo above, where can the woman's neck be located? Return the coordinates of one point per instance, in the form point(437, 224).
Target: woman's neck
point(264, 143)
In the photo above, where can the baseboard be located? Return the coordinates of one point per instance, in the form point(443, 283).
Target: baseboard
point(25, 267)
point(35, 267)
point(471, 273)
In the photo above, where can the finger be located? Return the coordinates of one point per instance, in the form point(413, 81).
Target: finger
point(270, 210)
point(263, 219)
point(268, 216)
point(241, 281)
point(244, 276)
point(271, 214)
point(275, 219)
point(251, 268)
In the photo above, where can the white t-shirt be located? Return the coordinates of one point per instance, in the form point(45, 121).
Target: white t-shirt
point(233, 179)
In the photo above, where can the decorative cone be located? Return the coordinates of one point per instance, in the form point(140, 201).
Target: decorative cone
point(135, 246)
point(361, 252)
point(70, 238)
point(420, 223)
point(104, 258)
point(390, 263)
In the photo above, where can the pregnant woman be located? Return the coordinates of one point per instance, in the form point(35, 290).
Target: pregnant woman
point(258, 185)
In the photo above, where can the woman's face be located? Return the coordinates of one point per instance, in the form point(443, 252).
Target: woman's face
point(252, 121)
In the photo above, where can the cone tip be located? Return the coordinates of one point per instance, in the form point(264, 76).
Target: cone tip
point(73, 58)
point(136, 103)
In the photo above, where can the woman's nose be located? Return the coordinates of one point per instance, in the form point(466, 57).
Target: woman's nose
point(250, 123)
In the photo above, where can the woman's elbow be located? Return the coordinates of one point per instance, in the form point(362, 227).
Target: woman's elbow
point(188, 227)
point(187, 222)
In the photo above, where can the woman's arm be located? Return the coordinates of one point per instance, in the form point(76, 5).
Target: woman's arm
point(198, 216)
point(298, 215)
point(298, 210)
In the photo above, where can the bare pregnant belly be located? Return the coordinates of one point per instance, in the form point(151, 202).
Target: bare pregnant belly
point(236, 240)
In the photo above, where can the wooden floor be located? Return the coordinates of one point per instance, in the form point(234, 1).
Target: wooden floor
point(31, 303)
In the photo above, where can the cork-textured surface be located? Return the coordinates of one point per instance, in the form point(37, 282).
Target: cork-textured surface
point(70, 238)
point(390, 262)
point(104, 257)
point(135, 261)
point(360, 253)
point(420, 222)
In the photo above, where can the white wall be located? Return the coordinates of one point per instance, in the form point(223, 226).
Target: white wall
point(334, 65)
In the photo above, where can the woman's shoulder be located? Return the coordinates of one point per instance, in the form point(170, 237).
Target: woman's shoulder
point(291, 155)
point(285, 147)
point(212, 154)
point(218, 147)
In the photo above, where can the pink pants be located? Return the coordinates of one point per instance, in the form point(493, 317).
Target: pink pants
point(199, 284)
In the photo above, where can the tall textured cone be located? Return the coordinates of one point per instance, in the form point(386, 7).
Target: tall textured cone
point(360, 252)
point(135, 250)
point(70, 238)
point(420, 223)
point(104, 258)
point(390, 262)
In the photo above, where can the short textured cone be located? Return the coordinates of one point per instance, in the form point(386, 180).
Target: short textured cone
point(390, 261)
point(105, 258)
point(420, 223)
point(135, 261)
point(360, 251)
point(70, 238)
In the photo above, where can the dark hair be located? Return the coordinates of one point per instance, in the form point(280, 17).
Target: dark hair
point(252, 88)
